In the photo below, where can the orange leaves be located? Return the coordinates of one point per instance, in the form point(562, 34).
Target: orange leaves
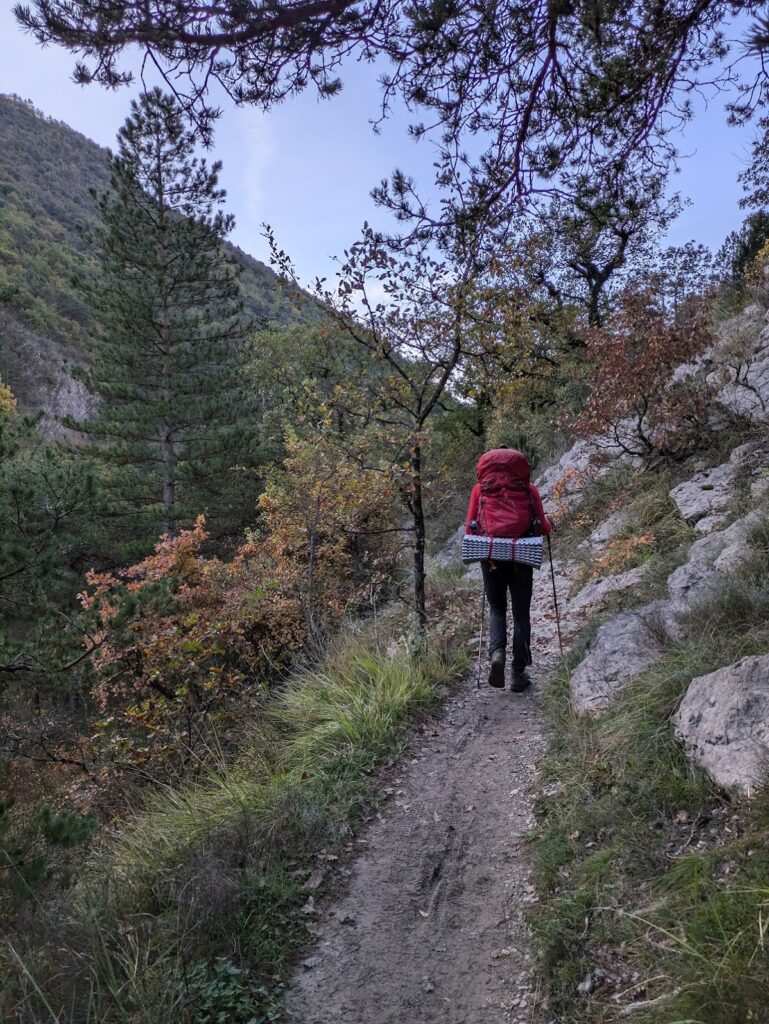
point(7, 400)
point(574, 480)
point(620, 554)
point(189, 643)
point(633, 396)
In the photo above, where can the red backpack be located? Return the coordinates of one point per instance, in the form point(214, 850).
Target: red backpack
point(505, 508)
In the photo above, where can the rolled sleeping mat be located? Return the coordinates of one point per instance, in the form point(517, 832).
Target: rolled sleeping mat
point(526, 550)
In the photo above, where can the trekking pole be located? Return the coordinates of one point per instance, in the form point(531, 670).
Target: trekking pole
point(480, 638)
point(555, 595)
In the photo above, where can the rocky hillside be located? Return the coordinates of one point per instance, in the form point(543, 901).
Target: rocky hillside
point(652, 848)
point(47, 174)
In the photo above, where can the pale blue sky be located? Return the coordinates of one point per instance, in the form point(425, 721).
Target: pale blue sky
point(307, 167)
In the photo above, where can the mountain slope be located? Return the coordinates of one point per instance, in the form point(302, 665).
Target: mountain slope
point(47, 174)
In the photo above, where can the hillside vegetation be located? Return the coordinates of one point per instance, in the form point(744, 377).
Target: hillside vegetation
point(650, 847)
point(229, 585)
point(48, 173)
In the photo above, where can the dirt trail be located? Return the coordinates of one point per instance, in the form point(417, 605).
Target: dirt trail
point(430, 925)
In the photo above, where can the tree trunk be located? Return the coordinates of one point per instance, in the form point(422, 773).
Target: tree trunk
point(167, 449)
point(594, 308)
point(169, 483)
point(418, 517)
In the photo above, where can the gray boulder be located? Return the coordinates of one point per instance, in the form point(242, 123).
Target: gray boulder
point(630, 642)
point(623, 647)
point(706, 497)
point(691, 582)
point(596, 594)
point(743, 375)
point(747, 394)
point(723, 721)
point(710, 559)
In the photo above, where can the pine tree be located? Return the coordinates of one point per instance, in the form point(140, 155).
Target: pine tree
point(174, 433)
point(47, 502)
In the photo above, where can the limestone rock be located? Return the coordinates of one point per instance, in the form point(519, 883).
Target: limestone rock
point(596, 594)
point(724, 722)
point(744, 374)
point(753, 311)
point(577, 458)
point(451, 552)
point(710, 524)
point(748, 393)
point(710, 558)
point(760, 487)
point(606, 531)
point(708, 494)
point(629, 642)
point(623, 647)
point(691, 582)
point(735, 542)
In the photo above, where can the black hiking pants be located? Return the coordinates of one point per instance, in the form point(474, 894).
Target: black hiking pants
point(498, 578)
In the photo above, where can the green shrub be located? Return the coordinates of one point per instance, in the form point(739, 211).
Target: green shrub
point(223, 993)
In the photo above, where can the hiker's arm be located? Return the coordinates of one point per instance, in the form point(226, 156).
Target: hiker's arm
point(547, 526)
point(472, 512)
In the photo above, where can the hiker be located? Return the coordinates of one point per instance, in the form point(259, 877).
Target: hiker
point(504, 503)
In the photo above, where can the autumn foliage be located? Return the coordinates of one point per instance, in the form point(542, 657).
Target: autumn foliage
point(635, 400)
point(187, 644)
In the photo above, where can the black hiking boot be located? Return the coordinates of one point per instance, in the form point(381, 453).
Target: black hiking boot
point(521, 680)
point(497, 671)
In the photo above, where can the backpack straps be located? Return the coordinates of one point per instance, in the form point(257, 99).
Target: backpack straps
point(536, 525)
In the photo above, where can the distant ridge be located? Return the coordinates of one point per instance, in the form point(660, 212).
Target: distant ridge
point(47, 172)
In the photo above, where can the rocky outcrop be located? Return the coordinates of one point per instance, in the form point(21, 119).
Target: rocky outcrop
point(595, 595)
point(723, 721)
point(606, 531)
point(568, 473)
point(624, 646)
point(741, 366)
point(724, 718)
point(704, 499)
point(628, 643)
point(33, 366)
point(710, 559)
point(746, 393)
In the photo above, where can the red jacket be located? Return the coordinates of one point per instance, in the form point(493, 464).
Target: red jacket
point(515, 464)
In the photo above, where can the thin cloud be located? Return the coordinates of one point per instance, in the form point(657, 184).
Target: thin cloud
point(259, 150)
